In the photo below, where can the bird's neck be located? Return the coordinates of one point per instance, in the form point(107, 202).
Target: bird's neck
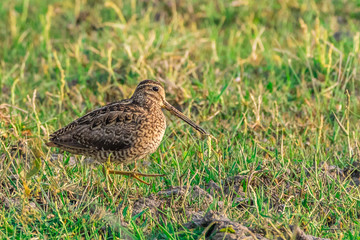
point(146, 103)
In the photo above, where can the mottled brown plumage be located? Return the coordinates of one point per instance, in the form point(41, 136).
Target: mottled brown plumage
point(123, 131)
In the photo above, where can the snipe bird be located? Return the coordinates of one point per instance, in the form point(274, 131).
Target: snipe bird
point(123, 131)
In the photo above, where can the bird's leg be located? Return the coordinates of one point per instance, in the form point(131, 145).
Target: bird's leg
point(135, 167)
point(105, 170)
point(135, 175)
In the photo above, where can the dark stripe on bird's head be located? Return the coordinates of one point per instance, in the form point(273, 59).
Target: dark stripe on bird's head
point(148, 82)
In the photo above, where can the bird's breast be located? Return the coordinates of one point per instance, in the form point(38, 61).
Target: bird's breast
point(151, 131)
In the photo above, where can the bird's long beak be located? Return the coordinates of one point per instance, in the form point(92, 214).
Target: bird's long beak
point(177, 113)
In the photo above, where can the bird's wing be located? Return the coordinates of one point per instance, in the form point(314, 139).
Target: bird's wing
point(112, 127)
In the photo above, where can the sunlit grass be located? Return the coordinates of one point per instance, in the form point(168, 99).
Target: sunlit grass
point(276, 82)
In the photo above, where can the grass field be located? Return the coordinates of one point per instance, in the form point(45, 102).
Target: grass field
point(276, 82)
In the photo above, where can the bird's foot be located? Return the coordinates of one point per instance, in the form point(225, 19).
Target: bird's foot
point(135, 175)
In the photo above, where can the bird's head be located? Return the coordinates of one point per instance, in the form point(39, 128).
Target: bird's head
point(151, 93)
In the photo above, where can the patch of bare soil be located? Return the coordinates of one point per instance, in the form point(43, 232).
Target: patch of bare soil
point(177, 198)
point(352, 172)
point(218, 226)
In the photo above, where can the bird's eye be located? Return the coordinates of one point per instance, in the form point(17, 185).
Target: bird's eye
point(155, 89)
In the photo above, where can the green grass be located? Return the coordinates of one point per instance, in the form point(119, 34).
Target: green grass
point(268, 79)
